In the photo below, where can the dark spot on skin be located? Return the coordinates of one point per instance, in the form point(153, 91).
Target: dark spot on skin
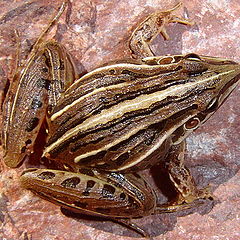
point(23, 149)
point(108, 191)
point(36, 103)
point(90, 185)
point(32, 124)
point(44, 69)
point(28, 142)
point(46, 175)
point(112, 71)
point(81, 204)
point(71, 182)
point(44, 83)
point(122, 196)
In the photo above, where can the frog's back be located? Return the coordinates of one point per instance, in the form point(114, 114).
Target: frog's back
point(117, 116)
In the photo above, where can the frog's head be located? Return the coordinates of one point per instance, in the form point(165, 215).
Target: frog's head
point(201, 85)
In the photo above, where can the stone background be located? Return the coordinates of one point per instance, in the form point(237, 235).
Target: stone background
point(96, 32)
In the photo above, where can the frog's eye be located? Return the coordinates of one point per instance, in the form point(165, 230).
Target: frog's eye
point(193, 57)
point(192, 123)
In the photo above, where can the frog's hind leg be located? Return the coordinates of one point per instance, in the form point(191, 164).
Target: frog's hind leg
point(187, 192)
point(115, 196)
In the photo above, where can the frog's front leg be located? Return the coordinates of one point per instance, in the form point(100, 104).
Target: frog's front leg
point(154, 24)
point(187, 191)
point(116, 196)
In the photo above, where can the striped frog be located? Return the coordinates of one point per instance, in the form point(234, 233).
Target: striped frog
point(113, 122)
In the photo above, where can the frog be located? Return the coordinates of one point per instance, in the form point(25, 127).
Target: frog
point(119, 119)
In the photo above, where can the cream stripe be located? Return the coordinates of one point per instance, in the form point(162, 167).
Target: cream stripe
point(102, 89)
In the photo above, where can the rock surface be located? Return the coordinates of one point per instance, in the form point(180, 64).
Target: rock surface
point(94, 33)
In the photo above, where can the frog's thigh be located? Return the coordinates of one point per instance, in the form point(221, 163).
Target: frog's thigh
point(104, 194)
point(119, 197)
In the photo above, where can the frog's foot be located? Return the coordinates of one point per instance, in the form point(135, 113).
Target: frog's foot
point(204, 193)
point(186, 202)
point(154, 24)
point(170, 18)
